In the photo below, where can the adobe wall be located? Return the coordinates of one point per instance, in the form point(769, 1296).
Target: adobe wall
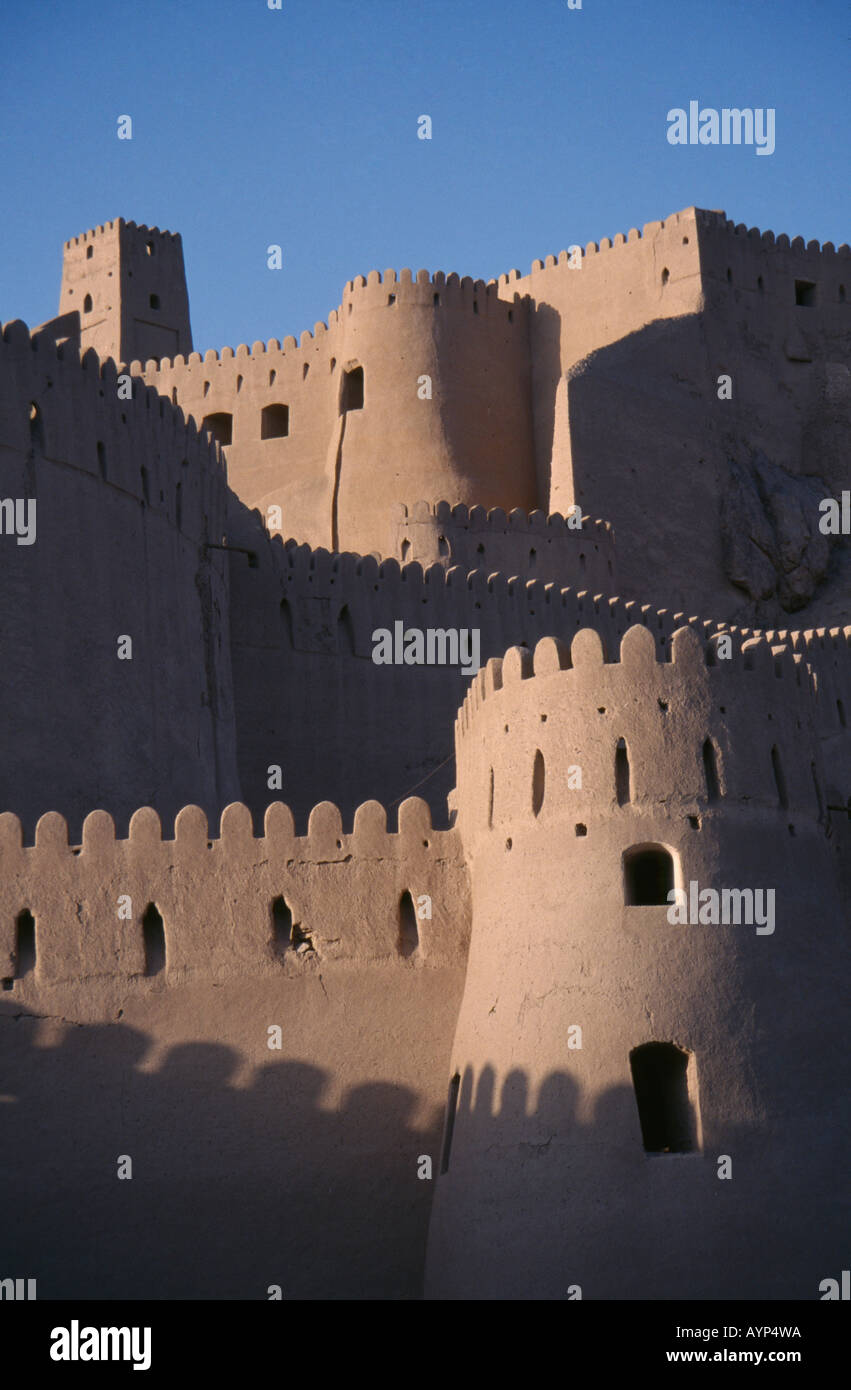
point(128, 495)
point(548, 1184)
point(137, 283)
point(251, 1166)
point(531, 544)
point(338, 471)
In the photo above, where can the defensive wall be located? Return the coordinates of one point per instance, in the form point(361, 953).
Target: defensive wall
point(147, 1034)
point(547, 1181)
point(129, 498)
point(442, 407)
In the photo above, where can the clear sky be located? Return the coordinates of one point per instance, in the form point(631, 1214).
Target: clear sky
point(298, 126)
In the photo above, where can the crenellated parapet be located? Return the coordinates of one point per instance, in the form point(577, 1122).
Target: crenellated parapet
point(574, 549)
point(217, 898)
point(528, 719)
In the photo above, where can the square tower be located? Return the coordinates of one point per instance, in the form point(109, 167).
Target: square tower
point(129, 286)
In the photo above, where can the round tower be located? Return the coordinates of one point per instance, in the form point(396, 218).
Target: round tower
point(646, 1095)
point(434, 402)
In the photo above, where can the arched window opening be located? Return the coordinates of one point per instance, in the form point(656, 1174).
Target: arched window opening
point(409, 937)
point(149, 248)
point(648, 875)
point(622, 787)
point(666, 275)
point(90, 251)
point(282, 925)
point(406, 551)
point(451, 1109)
point(274, 422)
point(24, 944)
point(779, 778)
point(660, 1075)
point(538, 782)
point(351, 397)
point(710, 771)
point(87, 304)
point(220, 426)
point(153, 933)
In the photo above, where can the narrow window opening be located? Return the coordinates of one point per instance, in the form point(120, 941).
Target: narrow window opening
point(220, 426)
point(24, 944)
point(174, 395)
point(779, 778)
point(153, 933)
point(805, 293)
point(90, 251)
point(729, 276)
point(287, 621)
point(406, 550)
point(352, 390)
point(36, 426)
point(239, 382)
point(333, 363)
point(841, 294)
point(409, 937)
point(274, 422)
point(533, 557)
point(154, 301)
point(710, 771)
point(436, 301)
point(305, 369)
point(475, 306)
point(345, 631)
point(759, 284)
point(149, 248)
point(538, 783)
point(660, 1075)
point(840, 710)
point(391, 299)
point(490, 801)
point(451, 1109)
point(272, 376)
point(511, 316)
point(622, 788)
point(648, 876)
point(87, 304)
point(282, 925)
point(666, 275)
point(442, 546)
point(206, 388)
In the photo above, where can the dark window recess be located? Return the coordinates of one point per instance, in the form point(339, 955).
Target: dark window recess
point(352, 390)
point(660, 1078)
point(90, 251)
point(274, 422)
point(648, 875)
point(622, 788)
point(87, 304)
point(710, 771)
point(779, 778)
point(409, 937)
point(805, 293)
point(153, 933)
point(539, 776)
point(101, 453)
point(24, 944)
point(154, 301)
point(451, 1108)
point(220, 426)
point(282, 925)
point(345, 631)
point(36, 426)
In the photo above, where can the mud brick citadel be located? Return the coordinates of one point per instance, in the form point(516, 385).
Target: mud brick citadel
point(374, 1012)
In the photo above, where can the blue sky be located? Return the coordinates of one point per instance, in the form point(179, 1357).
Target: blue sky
point(299, 127)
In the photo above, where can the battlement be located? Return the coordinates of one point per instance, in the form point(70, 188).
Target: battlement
point(497, 520)
point(114, 226)
point(66, 405)
point(215, 896)
point(568, 707)
point(719, 222)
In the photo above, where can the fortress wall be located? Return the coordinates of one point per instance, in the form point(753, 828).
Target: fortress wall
point(469, 441)
point(549, 1130)
point(616, 290)
point(309, 665)
point(127, 496)
point(292, 471)
point(530, 544)
point(294, 1166)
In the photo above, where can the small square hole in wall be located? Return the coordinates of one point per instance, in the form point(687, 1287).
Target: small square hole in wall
point(805, 293)
point(8, 983)
point(581, 829)
point(694, 822)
